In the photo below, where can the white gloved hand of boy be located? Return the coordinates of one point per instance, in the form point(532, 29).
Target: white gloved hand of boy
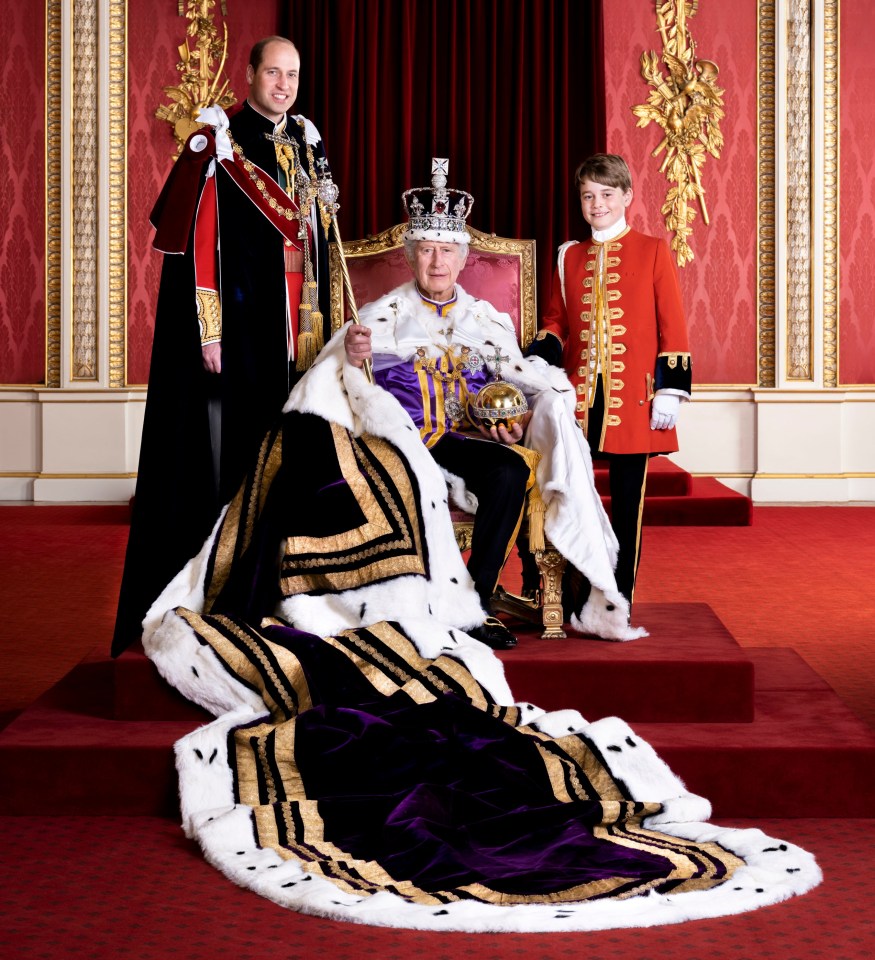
point(664, 411)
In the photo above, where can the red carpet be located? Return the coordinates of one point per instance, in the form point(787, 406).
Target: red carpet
point(797, 578)
point(60, 570)
point(133, 888)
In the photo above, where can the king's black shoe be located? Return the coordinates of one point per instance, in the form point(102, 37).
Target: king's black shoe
point(494, 634)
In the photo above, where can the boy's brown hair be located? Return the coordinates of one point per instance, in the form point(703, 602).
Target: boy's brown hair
point(607, 168)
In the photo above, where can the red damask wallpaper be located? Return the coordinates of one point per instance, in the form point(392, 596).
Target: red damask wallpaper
point(154, 33)
point(720, 284)
point(22, 194)
point(856, 195)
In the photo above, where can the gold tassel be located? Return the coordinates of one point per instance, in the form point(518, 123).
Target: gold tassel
point(318, 330)
point(310, 342)
point(307, 351)
point(537, 510)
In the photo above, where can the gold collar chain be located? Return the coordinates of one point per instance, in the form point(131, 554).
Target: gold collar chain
point(306, 195)
point(461, 364)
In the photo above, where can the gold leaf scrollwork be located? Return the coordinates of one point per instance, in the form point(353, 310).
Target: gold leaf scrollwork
point(202, 58)
point(688, 105)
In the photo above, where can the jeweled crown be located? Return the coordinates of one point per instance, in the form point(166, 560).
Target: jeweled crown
point(437, 212)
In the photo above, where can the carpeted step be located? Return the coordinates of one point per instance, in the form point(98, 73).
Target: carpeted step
point(68, 746)
point(56, 762)
point(141, 693)
point(811, 756)
point(664, 478)
point(676, 498)
point(708, 504)
point(804, 755)
point(690, 669)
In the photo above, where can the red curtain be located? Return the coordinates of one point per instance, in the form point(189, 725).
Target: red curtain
point(509, 90)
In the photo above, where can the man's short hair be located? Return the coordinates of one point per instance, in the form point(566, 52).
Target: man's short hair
point(256, 54)
point(607, 168)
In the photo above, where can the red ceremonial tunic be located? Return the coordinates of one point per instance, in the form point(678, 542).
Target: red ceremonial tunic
point(633, 325)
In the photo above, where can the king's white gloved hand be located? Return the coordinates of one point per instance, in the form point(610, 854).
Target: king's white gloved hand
point(664, 411)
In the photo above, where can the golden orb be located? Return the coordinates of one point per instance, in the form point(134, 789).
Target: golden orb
point(500, 402)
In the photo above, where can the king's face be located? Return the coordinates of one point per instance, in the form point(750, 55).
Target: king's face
point(436, 267)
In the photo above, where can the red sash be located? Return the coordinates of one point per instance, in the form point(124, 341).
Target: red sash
point(277, 206)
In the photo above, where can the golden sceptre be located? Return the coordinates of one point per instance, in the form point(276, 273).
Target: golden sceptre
point(327, 192)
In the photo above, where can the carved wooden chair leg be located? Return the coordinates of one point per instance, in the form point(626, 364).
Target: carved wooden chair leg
point(551, 564)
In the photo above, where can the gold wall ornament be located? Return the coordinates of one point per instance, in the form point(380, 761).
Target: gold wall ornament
point(799, 361)
point(117, 215)
point(53, 228)
point(688, 105)
point(766, 299)
point(198, 57)
point(85, 192)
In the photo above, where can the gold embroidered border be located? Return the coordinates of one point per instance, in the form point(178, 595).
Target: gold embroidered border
point(385, 676)
point(361, 876)
point(251, 664)
point(246, 761)
point(352, 461)
point(579, 753)
point(346, 872)
point(766, 40)
point(684, 863)
point(394, 676)
point(263, 762)
point(375, 525)
point(706, 852)
point(226, 546)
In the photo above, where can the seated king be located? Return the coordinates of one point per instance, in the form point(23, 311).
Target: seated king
point(433, 347)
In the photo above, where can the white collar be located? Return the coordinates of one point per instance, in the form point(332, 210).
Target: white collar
point(602, 236)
